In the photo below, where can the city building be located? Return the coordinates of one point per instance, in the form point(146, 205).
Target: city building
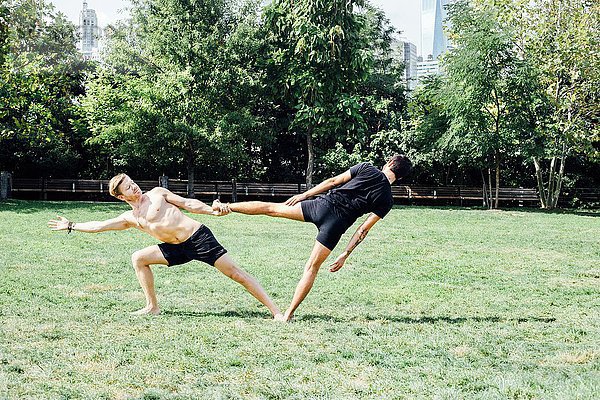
point(89, 33)
point(434, 41)
point(409, 53)
point(430, 66)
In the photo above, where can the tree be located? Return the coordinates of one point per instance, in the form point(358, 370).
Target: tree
point(41, 76)
point(382, 99)
point(318, 58)
point(427, 138)
point(488, 89)
point(176, 84)
point(562, 38)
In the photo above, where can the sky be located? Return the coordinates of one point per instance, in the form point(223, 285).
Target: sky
point(403, 14)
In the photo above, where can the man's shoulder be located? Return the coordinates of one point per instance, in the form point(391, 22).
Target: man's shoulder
point(158, 190)
point(363, 164)
point(360, 167)
point(157, 193)
point(128, 216)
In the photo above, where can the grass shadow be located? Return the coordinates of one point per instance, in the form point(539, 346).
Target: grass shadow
point(424, 320)
point(245, 314)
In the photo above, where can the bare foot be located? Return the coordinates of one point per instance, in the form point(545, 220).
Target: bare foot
point(288, 317)
point(279, 317)
point(147, 311)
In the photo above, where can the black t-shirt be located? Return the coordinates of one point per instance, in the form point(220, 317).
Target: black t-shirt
point(369, 190)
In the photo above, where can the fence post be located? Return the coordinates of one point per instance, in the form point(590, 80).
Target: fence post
point(521, 196)
point(5, 185)
point(234, 190)
point(460, 197)
point(163, 181)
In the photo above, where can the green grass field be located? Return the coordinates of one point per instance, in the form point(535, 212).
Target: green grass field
point(436, 303)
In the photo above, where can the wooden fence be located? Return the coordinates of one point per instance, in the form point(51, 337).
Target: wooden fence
point(233, 190)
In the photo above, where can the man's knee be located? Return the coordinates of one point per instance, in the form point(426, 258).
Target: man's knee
point(237, 275)
point(274, 209)
point(312, 266)
point(137, 259)
point(284, 211)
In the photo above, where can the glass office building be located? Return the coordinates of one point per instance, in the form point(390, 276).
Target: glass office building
point(433, 40)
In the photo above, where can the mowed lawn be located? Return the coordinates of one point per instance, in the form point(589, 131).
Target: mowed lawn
point(436, 303)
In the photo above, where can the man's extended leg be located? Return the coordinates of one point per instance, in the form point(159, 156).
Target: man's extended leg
point(141, 260)
point(317, 257)
point(227, 266)
point(280, 210)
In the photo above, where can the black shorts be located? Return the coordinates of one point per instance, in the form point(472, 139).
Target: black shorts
point(201, 246)
point(330, 222)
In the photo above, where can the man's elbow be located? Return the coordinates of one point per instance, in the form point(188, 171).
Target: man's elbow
point(191, 206)
point(96, 229)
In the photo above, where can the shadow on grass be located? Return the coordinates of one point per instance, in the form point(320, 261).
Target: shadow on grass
point(226, 314)
point(246, 314)
point(425, 320)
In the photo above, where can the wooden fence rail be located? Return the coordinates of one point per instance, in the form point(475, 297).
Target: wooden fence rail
point(279, 191)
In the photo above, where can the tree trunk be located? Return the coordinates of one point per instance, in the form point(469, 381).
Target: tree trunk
point(486, 198)
point(497, 160)
point(491, 197)
point(561, 172)
point(190, 174)
point(540, 183)
point(311, 159)
point(551, 177)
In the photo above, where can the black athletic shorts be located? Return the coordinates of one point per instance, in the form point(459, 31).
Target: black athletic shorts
point(330, 222)
point(201, 246)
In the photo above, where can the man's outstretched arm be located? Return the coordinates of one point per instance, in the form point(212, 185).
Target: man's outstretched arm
point(356, 239)
point(191, 205)
point(320, 188)
point(115, 224)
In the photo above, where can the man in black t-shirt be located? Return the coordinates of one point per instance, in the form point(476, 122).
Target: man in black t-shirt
point(360, 190)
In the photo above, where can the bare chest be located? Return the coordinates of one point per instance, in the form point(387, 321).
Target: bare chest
point(154, 211)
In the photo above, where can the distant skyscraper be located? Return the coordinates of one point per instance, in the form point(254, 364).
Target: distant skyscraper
point(433, 39)
point(407, 52)
point(410, 63)
point(89, 31)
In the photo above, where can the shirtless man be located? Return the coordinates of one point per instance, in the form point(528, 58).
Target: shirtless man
point(360, 190)
point(158, 213)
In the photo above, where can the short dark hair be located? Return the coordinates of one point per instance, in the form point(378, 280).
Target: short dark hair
point(401, 166)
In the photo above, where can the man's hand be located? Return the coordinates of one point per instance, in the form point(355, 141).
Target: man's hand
point(295, 199)
point(220, 208)
point(338, 263)
point(59, 224)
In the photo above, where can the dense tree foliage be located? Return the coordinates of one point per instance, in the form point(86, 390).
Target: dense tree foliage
point(41, 76)
point(176, 87)
point(299, 90)
point(520, 85)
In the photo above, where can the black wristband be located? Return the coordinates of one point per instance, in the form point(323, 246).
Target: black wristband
point(70, 226)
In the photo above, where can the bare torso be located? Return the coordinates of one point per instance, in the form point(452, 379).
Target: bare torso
point(161, 219)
